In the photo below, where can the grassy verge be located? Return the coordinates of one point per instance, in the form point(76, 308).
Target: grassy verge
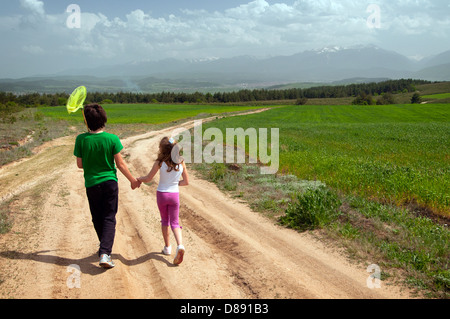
point(22, 131)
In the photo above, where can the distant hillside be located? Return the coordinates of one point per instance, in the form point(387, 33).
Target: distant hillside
point(434, 73)
point(324, 66)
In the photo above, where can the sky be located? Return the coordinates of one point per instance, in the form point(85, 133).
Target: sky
point(43, 37)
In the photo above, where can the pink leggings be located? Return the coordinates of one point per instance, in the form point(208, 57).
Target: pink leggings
point(169, 208)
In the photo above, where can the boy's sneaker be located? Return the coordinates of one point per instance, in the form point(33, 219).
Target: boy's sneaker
point(106, 262)
point(167, 250)
point(179, 256)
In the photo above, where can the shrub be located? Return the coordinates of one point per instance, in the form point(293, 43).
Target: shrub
point(230, 182)
point(301, 101)
point(363, 99)
point(386, 99)
point(217, 172)
point(62, 101)
point(313, 209)
point(416, 99)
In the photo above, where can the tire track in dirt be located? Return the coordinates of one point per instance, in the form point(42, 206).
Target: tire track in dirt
point(269, 261)
point(223, 245)
point(144, 280)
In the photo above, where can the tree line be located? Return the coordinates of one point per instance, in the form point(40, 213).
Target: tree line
point(245, 95)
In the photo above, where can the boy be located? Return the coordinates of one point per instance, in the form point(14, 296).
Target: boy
point(96, 153)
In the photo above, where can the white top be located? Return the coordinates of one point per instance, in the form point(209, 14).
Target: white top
point(168, 182)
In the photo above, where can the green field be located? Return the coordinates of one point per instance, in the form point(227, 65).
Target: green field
point(437, 96)
point(393, 153)
point(147, 113)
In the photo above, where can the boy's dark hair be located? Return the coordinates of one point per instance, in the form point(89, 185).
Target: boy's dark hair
point(95, 116)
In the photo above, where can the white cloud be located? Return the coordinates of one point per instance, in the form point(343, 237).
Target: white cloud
point(33, 49)
point(412, 25)
point(35, 6)
point(253, 9)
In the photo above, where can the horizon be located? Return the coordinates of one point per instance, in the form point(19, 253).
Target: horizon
point(60, 74)
point(43, 37)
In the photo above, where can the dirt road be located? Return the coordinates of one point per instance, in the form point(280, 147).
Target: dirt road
point(231, 251)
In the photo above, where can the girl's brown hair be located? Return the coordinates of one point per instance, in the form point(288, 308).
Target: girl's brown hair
point(169, 153)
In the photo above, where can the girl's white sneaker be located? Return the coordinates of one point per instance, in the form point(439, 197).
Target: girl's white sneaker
point(179, 256)
point(167, 250)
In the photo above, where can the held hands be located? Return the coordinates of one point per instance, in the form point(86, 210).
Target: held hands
point(135, 184)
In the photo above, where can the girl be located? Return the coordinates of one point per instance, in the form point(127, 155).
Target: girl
point(171, 167)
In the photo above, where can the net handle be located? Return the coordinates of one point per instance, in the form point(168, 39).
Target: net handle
point(84, 117)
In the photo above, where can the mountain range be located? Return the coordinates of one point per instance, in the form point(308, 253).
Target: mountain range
point(326, 65)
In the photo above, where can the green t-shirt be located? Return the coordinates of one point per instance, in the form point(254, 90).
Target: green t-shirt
point(97, 152)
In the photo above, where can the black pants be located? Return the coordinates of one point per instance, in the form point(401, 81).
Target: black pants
point(103, 203)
